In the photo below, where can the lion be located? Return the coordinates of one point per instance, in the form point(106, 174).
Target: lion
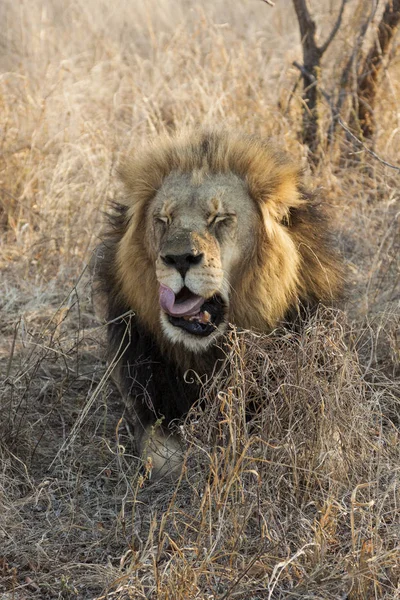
point(216, 228)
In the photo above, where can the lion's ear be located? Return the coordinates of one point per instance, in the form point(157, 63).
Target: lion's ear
point(283, 197)
point(287, 195)
point(143, 171)
point(274, 182)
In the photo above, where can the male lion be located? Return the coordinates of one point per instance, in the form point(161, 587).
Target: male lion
point(215, 229)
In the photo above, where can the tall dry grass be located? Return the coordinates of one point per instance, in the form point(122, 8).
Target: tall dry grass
point(303, 502)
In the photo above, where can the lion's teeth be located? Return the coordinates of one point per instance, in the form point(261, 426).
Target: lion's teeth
point(203, 317)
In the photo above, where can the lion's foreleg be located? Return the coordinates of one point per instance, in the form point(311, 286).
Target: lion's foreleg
point(159, 449)
point(161, 452)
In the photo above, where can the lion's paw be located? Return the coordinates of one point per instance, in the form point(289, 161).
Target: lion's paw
point(162, 453)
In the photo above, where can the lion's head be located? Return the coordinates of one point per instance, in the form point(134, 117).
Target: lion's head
point(200, 232)
point(215, 228)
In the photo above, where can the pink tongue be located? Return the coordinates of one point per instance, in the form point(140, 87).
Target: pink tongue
point(185, 308)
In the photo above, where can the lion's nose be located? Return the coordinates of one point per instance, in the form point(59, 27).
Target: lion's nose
point(182, 262)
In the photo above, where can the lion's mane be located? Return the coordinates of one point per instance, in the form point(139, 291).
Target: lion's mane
point(293, 259)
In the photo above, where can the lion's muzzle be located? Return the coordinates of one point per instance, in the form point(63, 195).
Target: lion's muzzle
point(182, 262)
point(192, 313)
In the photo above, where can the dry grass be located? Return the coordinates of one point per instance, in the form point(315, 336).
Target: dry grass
point(303, 502)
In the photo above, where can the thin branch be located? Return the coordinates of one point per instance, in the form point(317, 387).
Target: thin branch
point(306, 23)
point(349, 68)
point(292, 93)
point(269, 2)
point(339, 121)
point(313, 79)
point(371, 152)
point(335, 29)
point(368, 77)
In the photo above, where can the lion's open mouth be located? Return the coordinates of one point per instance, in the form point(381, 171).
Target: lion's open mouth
point(194, 314)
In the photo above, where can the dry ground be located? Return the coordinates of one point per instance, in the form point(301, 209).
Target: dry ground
point(305, 502)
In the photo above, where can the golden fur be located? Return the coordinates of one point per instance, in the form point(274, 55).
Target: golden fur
point(255, 238)
point(289, 264)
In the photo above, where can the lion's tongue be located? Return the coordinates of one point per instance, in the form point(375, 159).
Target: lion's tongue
point(184, 308)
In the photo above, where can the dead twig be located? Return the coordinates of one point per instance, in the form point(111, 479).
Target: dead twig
point(337, 119)
point(365, 147)
point(312, 54)
point(368, 78)
point(335, 28)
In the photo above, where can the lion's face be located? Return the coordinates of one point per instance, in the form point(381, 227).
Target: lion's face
point(202, 229)
point(215, 229)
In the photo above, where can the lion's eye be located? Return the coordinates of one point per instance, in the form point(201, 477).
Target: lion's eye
point(162, 220)
point(226, 218)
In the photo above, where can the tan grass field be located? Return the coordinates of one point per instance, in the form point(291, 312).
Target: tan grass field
point(302, 503)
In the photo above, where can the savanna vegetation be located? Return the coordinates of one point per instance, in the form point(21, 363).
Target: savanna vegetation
point(303, 501)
